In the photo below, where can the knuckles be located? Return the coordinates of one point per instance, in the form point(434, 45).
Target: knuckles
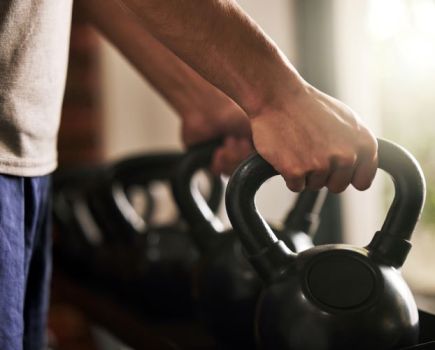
point(296, 185)
point(314, 168)
point(362, 185)
point(337, 188)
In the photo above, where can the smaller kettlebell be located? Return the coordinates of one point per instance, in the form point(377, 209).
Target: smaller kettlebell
point(303, 220)
point(164, 255)
point(333, 296)
point(226, 286)
point(78, 234)
point(150, 265)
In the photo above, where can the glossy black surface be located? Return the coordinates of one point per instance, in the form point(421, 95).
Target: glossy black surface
point(78, 236)
point(109, 201)
point(333, 296)
point(146, 265)
point(154, 263)
point(226, 286)
point(427, 326)
point(427, 332)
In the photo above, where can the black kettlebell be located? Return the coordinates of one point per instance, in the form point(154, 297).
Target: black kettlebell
point(162, 256)
point(109, 200)
point(78, 235)
point(302, 221)
point(333, 296)
point(226, 286)
point(81, 245)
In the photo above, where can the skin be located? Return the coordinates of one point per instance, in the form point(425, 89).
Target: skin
point(312, 139)
point(205, 111)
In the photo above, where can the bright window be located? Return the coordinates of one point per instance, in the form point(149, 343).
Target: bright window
point(402, 40)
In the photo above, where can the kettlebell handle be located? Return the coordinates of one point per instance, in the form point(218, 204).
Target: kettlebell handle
point(191, 203)
point(305, 214)
point(141, 170)
point(137, 170)
point(271, 257)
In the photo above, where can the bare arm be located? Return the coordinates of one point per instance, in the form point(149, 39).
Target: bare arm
point(309, 137)
point(205, 111)
point(221, 42)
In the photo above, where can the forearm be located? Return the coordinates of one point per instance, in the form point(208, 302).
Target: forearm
point(185, 90)
point(218, 40)
point(308, 137)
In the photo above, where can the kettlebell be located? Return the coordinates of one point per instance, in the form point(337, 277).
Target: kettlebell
point(161, 256)
point(81, 245)
point(226, 286)
point(302, 220)
point(109, 199)
point(78, 236)
point(333, 296)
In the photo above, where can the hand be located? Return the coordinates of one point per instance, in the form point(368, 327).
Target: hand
point(220, 117)
point(314, 140)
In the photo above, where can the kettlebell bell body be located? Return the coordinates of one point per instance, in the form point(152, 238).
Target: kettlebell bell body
point(337, 297)
point(158, 259)
point(333, 296)
point(226, 289)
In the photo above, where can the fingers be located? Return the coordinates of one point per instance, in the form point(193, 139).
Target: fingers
point(335, 175)
point(342, 169)
point(316, 180)
point(336, 172)
point(353, 163)
point(230, 154)
point(316, 141)
point(296, 184)
point(318, 177)
point(292, 173)
point(340, 179)
point(366, 168)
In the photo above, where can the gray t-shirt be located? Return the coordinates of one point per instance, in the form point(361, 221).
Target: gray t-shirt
point(34, 41)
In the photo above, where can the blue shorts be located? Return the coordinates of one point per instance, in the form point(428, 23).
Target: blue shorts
point(25, 261)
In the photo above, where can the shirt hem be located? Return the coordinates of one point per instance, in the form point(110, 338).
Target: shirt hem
point(17, 167)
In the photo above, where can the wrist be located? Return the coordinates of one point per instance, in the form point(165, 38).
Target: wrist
point(279, 91)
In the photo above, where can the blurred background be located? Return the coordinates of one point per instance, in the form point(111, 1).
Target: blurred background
point(378, 56)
